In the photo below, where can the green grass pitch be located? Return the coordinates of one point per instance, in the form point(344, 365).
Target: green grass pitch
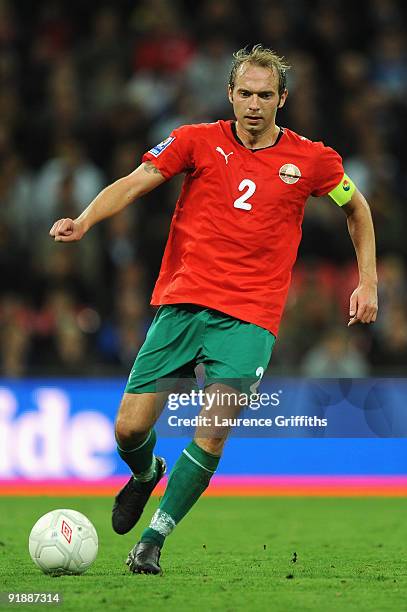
point(229, 554)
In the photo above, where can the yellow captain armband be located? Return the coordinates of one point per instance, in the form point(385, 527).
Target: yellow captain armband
point(344, 191)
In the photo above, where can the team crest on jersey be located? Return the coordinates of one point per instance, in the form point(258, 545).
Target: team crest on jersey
point(158, 149)
point(289, 174)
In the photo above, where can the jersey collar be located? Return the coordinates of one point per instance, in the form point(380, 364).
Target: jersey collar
point(236, 137)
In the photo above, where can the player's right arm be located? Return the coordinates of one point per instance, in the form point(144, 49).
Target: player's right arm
point(108, 202)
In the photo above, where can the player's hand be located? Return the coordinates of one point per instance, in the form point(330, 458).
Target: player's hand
point(363, 304)
point(66, 230)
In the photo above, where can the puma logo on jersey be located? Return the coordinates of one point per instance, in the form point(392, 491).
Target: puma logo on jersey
point(222, 152)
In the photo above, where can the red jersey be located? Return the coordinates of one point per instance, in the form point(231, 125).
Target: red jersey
point(236, 227)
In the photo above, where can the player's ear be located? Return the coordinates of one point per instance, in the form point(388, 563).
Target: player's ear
point(283, 98)
point(230, 94)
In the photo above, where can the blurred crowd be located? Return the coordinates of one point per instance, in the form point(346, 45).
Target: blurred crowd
point(86, 88)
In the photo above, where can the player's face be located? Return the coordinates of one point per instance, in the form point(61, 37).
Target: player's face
point(255, 98)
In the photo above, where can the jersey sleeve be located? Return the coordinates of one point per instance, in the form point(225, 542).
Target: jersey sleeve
point(328, 170)
point(174, 154)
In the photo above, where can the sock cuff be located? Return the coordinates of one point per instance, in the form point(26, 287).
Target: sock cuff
point(201, 457)
point(151, 437)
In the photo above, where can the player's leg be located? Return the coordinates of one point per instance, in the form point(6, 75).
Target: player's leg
point(167, 353)
point(236, 352)
point(136, 438)
point(194, 469)
point(189, 478)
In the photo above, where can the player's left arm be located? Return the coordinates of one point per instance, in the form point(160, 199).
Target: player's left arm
point(363, 301)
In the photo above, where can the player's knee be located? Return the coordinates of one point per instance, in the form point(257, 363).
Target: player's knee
point(137, 415)
point(129, 432)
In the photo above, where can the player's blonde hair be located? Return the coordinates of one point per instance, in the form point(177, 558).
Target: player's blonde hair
point(260, 56)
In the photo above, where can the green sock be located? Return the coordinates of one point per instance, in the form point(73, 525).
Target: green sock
point(188, 480)
point(141, 459)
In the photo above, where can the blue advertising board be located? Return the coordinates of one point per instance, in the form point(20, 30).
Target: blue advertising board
point(61, 428)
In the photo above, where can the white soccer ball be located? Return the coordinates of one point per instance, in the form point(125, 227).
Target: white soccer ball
point(63, 542)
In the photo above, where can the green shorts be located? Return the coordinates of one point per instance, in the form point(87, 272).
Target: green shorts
point(182, 336)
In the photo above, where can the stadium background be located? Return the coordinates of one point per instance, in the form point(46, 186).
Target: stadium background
point(86, 88)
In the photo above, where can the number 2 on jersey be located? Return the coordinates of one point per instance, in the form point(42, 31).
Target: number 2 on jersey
point(242, 201)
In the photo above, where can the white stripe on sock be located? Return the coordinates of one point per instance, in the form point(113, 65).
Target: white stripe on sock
point(162, 522)
point(197, 462)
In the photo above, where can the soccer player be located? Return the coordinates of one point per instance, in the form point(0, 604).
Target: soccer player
point(224, 276)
